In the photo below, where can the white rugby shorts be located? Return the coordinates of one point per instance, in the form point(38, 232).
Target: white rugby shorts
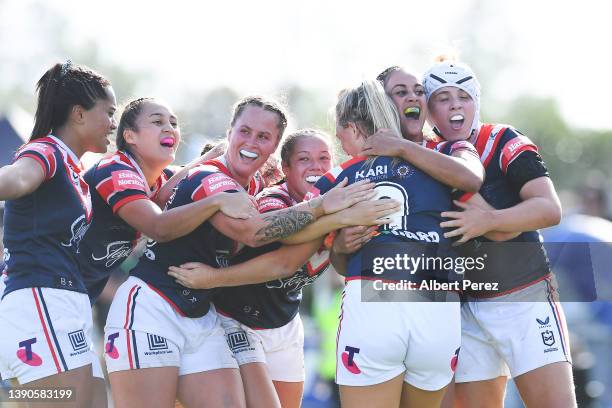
point(281, 349)
point(512, 334)
point(144, 331)
point(45, 331)
point(378, 341)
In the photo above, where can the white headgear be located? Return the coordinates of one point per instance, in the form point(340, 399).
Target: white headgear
point(459, 75)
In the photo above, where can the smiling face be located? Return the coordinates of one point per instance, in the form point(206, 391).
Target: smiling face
point(157, 134)
point(252, 138)
point(452, 111)
point(99, 123)
point(408, 96)
point(310, 159)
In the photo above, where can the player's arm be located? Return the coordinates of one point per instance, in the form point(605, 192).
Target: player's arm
point(540, 206)
point(165, 192)
point(375, 212)
point(480, 202)
point(276, 225)
point(22, 177)
point(461, 170)
point(162, 226)
point(277, 264)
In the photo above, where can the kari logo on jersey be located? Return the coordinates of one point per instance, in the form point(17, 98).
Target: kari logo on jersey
point(78, 228)
point(348, 359)
point(218, 182)
point(6, 255)
point(127, 180)
point(110, 348)
point(373, 173)
point(115, 252)
point(26, 354)
point(78, 341)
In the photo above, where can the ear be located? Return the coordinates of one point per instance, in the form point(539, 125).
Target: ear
point(284, 167)
point(130, 136)
point(228, 132)
point(77, 114)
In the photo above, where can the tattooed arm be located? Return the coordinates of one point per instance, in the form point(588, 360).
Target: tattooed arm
point(269, 227)
point(275, 225)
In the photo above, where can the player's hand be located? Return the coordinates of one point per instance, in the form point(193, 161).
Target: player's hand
point(195, 275)
point(384, 143)
point(470, 223)
point(373, 212)
point(237, 205)
point(343, 196)
point(351, 239)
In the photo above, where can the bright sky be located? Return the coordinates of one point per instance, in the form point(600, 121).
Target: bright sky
point(551, 48)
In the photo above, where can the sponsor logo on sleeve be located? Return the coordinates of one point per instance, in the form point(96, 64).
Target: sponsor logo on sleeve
point(127, 180)
point(270, 204)
point(218, 182)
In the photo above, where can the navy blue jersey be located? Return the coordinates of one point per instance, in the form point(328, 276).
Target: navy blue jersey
point(43, 230)
point(205, 244)
point(275, 303)
point(418, 221)
point(115, 181)
point(504, 153)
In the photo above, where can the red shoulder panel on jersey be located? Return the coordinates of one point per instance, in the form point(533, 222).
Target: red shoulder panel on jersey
point(513, 148)
point(271, 203)
point(213, 184)
point(43, 153)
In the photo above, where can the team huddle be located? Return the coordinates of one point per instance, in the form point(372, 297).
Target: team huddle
point(209, 314)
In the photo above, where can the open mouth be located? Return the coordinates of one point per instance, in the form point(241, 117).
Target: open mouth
point(245, 154)
point(412, 112)
point(167, 142)
point(456, 121)
point(312, 179)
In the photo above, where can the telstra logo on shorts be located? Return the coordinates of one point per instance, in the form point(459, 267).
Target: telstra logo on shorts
point(454, 360)
point(26, 354)
point(348, 359)
point(110, 348)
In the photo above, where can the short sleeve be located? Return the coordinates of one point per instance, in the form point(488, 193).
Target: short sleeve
point(118, 185)
point(213, 183)
point(526, 167)
point(43, 153)
point(513, 149)
point(271, 202)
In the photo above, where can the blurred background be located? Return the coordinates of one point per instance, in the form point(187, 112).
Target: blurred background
point(543, 67)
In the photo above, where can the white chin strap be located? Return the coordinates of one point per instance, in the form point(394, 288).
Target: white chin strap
point(458, 75)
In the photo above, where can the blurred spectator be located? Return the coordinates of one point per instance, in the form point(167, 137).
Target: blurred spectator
point(594, 202)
